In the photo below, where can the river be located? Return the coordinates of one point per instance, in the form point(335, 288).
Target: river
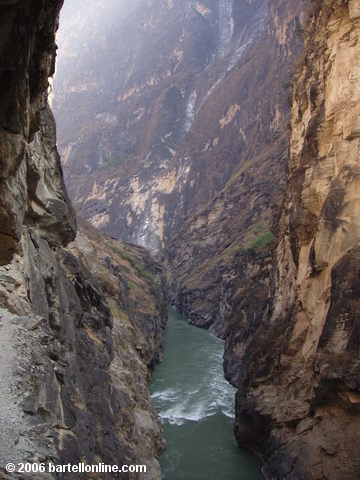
point(196, 406)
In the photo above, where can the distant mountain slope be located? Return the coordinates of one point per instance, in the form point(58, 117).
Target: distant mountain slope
point(157, 105)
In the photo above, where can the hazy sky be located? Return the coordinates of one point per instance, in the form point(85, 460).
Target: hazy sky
point(79, 19)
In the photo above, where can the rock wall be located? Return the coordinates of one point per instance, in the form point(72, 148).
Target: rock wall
point(218, 262)
point(27, 60)
point(298, 371)
point(81, 321)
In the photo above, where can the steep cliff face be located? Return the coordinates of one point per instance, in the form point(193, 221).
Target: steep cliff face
point(218, 265)
point(27, 60)
point(298, 373)
point(151, 130)
point(81, 322)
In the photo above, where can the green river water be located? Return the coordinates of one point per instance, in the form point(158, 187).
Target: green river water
point(196, 405)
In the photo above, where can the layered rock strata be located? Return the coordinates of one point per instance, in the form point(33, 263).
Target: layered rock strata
point(81, 321)
point(298, 370)
point(152, 130)
point(218, 262)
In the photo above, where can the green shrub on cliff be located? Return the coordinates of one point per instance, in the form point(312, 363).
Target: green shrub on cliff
point(138, 267)
point(257, 237)
point(261, 241)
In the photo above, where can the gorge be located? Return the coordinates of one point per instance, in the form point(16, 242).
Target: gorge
point(196, 406)
point(222, 138)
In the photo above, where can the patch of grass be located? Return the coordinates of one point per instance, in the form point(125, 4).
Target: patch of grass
point(261, 241)
point(116, 310)
point(144, 273)
point(133, 286)
point(141, 270)
point(235, 248)
point(237, 174)
point(121, 253)
point(257, 237)
point(155, 290)
point(258, 227)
